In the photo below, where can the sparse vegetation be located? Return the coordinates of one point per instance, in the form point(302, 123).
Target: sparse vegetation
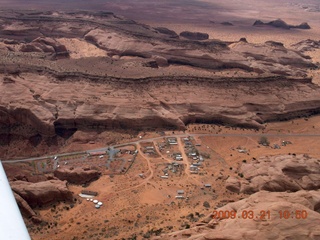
point(206, 204)
point(264, 141)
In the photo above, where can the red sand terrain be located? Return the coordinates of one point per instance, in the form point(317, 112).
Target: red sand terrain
point(149, 203)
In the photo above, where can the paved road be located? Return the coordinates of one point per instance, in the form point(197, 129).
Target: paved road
point(41, 158)
point(173, 135)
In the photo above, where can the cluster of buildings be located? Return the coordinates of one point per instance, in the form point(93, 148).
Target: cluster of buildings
point(171, 167)
point(167, 142)
point(149, 150)
point(193, 154)
point(126, 151)
point(180, 194)
point(172, 141)
point(161, 146)
point(97, 204)
point(177, 156)
point(90, 195)
point(283, 144)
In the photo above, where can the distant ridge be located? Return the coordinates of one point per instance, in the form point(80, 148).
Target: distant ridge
point(279, 23)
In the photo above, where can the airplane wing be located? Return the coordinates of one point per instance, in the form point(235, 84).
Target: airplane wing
point(12, 226)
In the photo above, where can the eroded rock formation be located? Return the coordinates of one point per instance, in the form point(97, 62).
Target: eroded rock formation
point(307, 45)
point(42, 193)
point(279, 23)
point(167, 31)
point(273, 226)
point(137, 77)
point(194, 35)
point(25, 209)
point(77, 175)
point(46, 45)
point(277, 174)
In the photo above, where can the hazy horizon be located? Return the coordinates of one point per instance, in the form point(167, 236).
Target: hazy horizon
point(168, 10)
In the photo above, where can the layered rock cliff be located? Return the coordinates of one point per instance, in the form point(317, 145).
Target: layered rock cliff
point(137, 77)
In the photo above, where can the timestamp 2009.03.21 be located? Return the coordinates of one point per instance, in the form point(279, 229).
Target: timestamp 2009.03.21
point(259, 215)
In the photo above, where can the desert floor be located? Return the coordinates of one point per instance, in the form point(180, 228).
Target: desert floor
point(136, 206)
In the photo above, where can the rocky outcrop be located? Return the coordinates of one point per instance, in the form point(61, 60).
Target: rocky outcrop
point(278, 45)
point(59, 49)
point(279, 23)
point(226, 23)
point(77, 175)
point(278, 174)
point(303, 26)
point(258, 23)
point(29, 48)
point(42, 193)
point(31, 122)
point(194, 35)
point(161, 61)
point(24, 207)
point(167, 31)
point(46, 45)
point(307, 45)
point(270, 60)
point(265, 221)
point(233, 184)
point(26, 210)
